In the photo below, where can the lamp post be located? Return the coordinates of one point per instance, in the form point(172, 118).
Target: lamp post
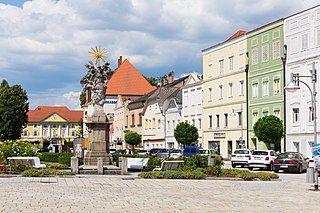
point(241, 124)
point(293, 86)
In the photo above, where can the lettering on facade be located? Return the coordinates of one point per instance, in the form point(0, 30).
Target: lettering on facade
point(219, 135)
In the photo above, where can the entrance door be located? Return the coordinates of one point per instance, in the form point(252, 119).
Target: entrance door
point(229, 149)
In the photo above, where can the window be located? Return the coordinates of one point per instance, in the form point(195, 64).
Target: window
point(220, 92)
point(168, 125)
point(277, 113)
point(159, 122)
point(265, 88)
point(173, 124)
point(239, 118)
point(25, 132)
point(254, 117)
point(226, 120)
point(140, 118)
point(231, 63)
point(153, 123)
point(221, 66)
point(35, 132)
point(265, 113)
point(209, 94)
point(35, 126)
point(132, 120)
point(127, 121)
point(73, 126)
point(265, 53)
point(318, 37)
point(304, 41)
point(276, 49)
point(276, 86)
point(145, 123)
point(230, 89)
point(186, 101)
point(199, 123)
point(254, 56)
point(63, 126)
point(210, 121)
point(73, 133)
point(45, 126)
point(311, 114)
point(254, 90)
point(295, 115)
point(218, 121)
point(241, 87)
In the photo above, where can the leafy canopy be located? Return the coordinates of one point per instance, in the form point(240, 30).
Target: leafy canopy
point(14, 107)
point(12, 148)
point(186, 133)
point(269, 129)
point(132, 138)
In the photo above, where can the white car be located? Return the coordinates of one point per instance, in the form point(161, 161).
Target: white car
point(176, 153)
point(262, 159)
point(241, 157)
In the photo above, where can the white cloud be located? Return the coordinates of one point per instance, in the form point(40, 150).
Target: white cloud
point(45, 43)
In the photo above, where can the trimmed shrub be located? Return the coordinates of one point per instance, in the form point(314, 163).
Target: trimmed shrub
point(195, 162)
point(53, 165)
point(44, 173)
point(174, 174)
point(213, 170)
point(266, 175)
point(12, 148)
point(62, 158)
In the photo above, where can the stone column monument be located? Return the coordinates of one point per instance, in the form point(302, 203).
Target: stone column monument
point(95, 85)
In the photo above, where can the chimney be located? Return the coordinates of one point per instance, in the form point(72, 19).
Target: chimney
point(119, 61)
point(170, 77)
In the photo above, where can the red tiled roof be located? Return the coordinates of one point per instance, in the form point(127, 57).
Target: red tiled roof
point(237, 34)
point(43, 112)
point(127, 80)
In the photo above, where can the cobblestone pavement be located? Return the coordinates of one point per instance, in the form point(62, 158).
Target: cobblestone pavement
point(117, 194)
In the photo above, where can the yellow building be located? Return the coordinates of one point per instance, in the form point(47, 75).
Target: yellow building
point(224, 95)
point(56, 124)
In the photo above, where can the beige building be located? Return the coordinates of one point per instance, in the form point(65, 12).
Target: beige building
point(55, 124)
point(224, 95)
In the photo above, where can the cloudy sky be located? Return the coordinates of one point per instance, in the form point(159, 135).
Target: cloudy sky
point(45, 43)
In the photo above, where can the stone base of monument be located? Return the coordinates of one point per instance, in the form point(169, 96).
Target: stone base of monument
point(91, 158)
point(93, 170)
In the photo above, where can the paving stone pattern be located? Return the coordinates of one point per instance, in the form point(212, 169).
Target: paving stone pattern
point(116, 194)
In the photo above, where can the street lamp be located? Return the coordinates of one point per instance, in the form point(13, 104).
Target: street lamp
point(239, 123)
point(293, 86)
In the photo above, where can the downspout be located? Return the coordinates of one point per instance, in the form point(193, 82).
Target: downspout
point(284, 60)
point(247, 99)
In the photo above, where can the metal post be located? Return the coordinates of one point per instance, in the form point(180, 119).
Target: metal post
point(314, 94)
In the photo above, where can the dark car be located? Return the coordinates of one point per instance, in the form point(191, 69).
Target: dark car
point(163, 153)
point(291, 161)
point(153, 152)
point(120, 151)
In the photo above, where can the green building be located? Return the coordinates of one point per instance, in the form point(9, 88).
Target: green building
point(265, 78)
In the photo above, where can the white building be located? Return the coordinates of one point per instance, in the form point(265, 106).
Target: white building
point(192, 106)
point(302, 37)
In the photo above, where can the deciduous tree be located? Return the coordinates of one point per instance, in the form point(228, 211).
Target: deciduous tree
point(186, 133)
point(132, 138)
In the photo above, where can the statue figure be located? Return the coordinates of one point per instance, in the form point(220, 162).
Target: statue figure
point(96, 79)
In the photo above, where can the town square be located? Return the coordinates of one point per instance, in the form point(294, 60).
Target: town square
point(162, 106)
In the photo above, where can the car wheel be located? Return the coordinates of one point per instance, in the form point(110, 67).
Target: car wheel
point(300, 169)
point(242, 165)
point(276, 171)
point(250, 168)
point(270, 167)
point(233, 165)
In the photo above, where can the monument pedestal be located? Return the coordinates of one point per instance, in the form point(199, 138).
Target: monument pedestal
point(98, 139)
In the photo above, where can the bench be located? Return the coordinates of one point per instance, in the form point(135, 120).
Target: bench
point(137, 163)
point(28, 161)
point(169, 165)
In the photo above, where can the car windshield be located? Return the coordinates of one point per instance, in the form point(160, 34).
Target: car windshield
point(288, 155)
point(259, 153)
point(142, 151)
point(241, 151)
point(163, 150)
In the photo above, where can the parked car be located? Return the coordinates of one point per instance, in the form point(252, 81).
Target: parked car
point(163, 153)
point(262, 159)
point(291, 161)
point(241, 157)
point(206, 152)
point(142, 152)
point(153, 152)
point(121, 151)
point(190, 151)
point(176, 153)
point(112, 151)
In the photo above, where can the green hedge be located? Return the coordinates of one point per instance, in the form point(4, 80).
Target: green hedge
point(174, 174)
point(62, 158)
point(44, 173)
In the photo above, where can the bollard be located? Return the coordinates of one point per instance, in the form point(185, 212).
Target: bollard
point(74, 165)
point(123, 165)
point(310, 175)
point(100, 166)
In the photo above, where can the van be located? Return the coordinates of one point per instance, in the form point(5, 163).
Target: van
point(190, 151)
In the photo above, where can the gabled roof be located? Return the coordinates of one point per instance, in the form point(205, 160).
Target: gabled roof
point(237, 34)
point(43, 112)
point(127, 80)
